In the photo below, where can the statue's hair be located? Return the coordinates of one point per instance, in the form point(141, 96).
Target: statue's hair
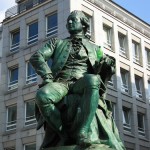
point(83, 18)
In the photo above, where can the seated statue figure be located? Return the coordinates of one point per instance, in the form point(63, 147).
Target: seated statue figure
point(70, 102)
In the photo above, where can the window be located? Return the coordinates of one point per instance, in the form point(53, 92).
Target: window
point(33, 33)
point(52, 25)
point(15, 39)
point(107, 37)
point(141, 124)
point(147, 57)
point(111, 82)
point(122, 48)
point(113, 110)
point(11, 117)
point(124, 81)
point(30, 113)
point(30, 74)
point(89, 31)
point(136, 52)
point(10, 148)
point(30, 147)
point(13, 78)
point(126, 119)
point(149, 90)
point(138, 85)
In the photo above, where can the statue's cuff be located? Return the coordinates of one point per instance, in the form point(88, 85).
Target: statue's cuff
point(47, 76)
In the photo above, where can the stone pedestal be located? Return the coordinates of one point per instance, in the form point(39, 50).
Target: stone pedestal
point(75, 147)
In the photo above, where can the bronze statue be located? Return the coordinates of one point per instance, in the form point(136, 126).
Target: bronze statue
point(72, 93)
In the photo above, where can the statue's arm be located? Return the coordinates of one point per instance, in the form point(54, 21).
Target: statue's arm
point(39, 59)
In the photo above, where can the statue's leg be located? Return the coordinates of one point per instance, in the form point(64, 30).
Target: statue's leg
point(88, 88)
point(46, 98)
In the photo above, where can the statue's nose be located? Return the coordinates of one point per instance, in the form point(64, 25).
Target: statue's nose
point(70, 21)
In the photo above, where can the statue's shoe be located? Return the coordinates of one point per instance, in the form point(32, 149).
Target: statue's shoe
point(85, 141)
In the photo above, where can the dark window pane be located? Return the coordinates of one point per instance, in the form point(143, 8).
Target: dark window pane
point(14, 75)
point(12, 114)
point(52, 25)
point(33, 29)
point(30, 107)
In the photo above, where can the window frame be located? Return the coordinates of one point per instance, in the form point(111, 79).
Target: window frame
point(33, 39)
point(141, 131)
point(28, 145)
point(32, 77)
point(126, 118)
point(90, 29)
point(9, 148)
point(30, 121)
point(122, 49)
point(114, 111)
point(107, 30)
point(7, 122)
point(52, 32)
point(125, 87)
point(136, 52)
point(149, 90)
point(139, 92)
point(147, 50)
point(14, 47)
point(12, 86)
point(110, 82)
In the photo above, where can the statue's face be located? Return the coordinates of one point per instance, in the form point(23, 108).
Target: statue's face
point(74, 24)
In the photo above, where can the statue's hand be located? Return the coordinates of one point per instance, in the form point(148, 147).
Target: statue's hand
point(109, 61)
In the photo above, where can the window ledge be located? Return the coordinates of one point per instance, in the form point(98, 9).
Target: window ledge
point(52, 36)
point(12, 53)
point(127, 94)
point(140, 100)
point(109, 49)
point(129, 134)
point(138, 64)
point(11, 91)
point(143, 138)
point(31, 45)
point(148, 68)
point(124, 56)
point(33, 126)
point(30, 85)
point(112, 88)
point(9, 132)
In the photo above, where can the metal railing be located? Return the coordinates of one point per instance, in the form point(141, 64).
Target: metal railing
point(22, 7)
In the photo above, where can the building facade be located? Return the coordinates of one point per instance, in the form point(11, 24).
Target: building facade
point(121, 34)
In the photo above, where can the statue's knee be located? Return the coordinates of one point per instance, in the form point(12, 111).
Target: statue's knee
point(93, 80)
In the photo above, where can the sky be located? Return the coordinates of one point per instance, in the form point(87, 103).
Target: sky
point(140, 8)
point(4, 5)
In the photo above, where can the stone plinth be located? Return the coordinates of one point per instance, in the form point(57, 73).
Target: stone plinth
point(75, 147)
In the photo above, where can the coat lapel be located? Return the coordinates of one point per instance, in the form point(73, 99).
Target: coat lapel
point(91, 49)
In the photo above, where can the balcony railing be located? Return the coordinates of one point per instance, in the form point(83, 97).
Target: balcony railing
point(22, 7)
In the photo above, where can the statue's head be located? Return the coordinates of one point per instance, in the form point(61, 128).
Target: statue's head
point(77, 22)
